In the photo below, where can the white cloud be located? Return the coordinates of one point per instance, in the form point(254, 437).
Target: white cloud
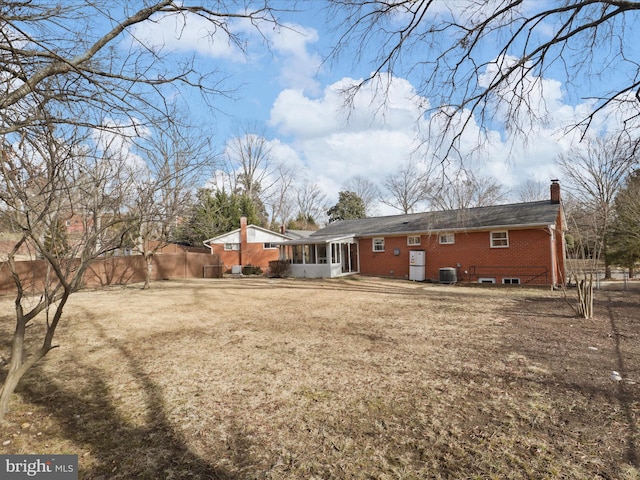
point(373, 137)
point(298, 66)
point(243, 41)
point(188, 33)
point(370, 139)
point(399, 107)
point(384, 125)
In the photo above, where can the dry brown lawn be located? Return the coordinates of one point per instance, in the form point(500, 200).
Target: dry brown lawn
point(358, 378)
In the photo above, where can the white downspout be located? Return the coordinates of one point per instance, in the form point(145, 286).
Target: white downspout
point(554, 268)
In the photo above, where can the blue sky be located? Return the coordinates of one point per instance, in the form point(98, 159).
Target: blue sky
point(287, 88)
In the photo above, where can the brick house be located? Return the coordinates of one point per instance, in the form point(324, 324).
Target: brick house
point(247, 245)
point(520, 243)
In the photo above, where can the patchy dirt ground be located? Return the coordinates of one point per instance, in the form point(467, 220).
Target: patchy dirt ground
point(357, 378)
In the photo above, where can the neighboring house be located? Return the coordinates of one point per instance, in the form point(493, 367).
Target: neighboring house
point(520, 243)
point(247, 245)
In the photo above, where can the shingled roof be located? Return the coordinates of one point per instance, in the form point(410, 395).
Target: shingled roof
point(515, 215)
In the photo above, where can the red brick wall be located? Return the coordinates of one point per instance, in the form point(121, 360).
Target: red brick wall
point(472, 251)
point(253, 254)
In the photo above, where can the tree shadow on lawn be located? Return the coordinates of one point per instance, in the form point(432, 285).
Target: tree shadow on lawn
point(580, 355)
point(625, 397)
point(121, 449)
point(367, 285)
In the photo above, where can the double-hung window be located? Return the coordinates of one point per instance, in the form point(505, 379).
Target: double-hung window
point(500, 239)
point(413, 240)
point(378, 244)
point(446, 239)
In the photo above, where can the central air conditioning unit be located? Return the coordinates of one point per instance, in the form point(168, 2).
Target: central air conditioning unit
point(448, 275)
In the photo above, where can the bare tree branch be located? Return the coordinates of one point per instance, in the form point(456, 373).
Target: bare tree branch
point(485, 61)
point(75, 101)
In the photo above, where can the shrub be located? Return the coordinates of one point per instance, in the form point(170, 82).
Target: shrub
point(278, 268)
point(251, 270)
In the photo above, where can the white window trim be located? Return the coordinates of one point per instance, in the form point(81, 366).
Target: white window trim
point(511, 281)
point(506, 238)
point(270, 247)
point(413, 244)
point(373, 244)
point(236, 245)
point(486, 280)
point(440, 237)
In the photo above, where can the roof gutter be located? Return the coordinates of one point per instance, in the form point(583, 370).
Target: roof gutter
point(312, 240)
point(459, 229)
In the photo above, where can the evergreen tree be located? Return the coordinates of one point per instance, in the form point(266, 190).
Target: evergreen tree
point(303, 222)
point(624, 238)
point(215, 213)
point(350, 206)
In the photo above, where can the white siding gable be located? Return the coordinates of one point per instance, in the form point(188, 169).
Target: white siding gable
point(231, 237)
point(255, 235)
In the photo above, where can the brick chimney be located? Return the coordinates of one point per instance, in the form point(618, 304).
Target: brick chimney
point(243, 237)
point(555, 191)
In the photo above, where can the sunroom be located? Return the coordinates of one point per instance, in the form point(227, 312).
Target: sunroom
point(321, 257)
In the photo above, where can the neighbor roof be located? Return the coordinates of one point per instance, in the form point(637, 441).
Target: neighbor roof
point(513, 215)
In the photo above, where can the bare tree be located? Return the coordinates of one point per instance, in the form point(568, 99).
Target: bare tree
point(47, 183)
point(249, 161)
point(278, 197)
point(593, 175)
point(584, 250)
point(366, 190)
point(464, 189)
point(532, 191)
point(251, 170)
point(64, 76)
point(175, 158)
point(483, 61)
point(406, 188)
point(310, 203)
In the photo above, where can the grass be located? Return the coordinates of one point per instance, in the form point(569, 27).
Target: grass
point(358, 378)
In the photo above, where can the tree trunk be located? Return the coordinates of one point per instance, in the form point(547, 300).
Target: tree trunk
point(17, 367)
point(12, 380)
point(148, 256)
point(585, 298)
point(20, 363)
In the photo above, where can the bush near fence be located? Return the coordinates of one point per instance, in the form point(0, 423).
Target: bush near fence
point(118, 270)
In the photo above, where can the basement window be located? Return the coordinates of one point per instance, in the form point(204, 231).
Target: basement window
point(511, 281)
point(486, 280)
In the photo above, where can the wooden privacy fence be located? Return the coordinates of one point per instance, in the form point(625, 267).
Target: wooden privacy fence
point(118, 270)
